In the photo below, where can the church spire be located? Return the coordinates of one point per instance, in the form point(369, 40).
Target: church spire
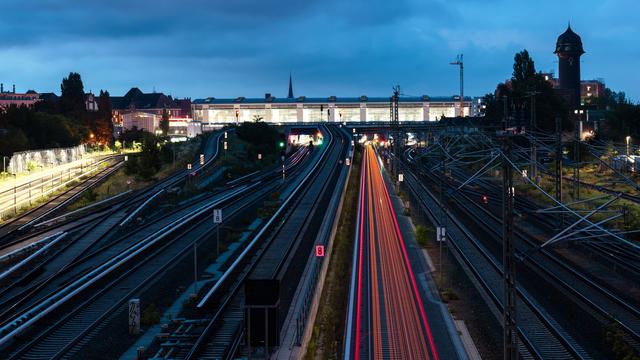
point(290, 88)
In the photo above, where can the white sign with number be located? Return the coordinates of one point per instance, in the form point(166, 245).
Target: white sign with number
point(188, 166)
point(217, 216)
point(201, 159)
point(401, 177)
point(441, 233)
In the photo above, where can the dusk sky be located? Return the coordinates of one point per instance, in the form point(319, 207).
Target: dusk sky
point(200, 48)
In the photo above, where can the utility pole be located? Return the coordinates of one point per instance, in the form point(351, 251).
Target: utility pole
point(510, 335)
point(558, 173)
point(534, 126)
point(459, 62)
point(395, 128)
point(443, 209)
point(576, 155)
point(505, 112)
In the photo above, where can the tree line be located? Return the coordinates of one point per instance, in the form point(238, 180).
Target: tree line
point(621, 116)
point(60, 122)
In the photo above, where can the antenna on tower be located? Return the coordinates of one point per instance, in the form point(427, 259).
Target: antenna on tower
point(459, 61)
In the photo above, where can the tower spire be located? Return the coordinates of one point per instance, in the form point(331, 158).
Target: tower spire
point(290, 87)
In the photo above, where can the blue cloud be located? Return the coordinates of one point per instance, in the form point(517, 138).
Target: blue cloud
point(220, 48)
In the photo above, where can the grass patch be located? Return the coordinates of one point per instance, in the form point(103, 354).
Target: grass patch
point(120, 181)
point(328, 330)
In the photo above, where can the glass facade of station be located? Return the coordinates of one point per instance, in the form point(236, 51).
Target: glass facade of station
point(225, 111)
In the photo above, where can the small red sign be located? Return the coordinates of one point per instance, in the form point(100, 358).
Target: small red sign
point(319, 250)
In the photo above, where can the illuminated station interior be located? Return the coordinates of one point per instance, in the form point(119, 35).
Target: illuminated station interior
point(330, 109)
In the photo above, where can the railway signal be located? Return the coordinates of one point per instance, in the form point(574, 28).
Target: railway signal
point(217, 220)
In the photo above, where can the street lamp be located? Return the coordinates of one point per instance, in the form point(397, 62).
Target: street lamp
point(628, 138)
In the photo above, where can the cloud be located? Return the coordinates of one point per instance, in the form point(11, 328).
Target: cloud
point(221, 48)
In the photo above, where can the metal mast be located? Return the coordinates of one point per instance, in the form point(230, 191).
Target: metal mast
point(534, 126)
point(395, 127)
point(558, 172)
point(510, 335)
point(509, 327)
point(460, 63)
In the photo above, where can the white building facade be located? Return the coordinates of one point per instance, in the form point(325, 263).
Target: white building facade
point(331, 109)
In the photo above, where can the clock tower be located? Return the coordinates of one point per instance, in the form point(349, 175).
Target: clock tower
point(569, 49)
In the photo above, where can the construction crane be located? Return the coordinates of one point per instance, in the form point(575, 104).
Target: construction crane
point(459, 62)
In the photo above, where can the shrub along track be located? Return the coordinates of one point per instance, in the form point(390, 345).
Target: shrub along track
point(328, 330)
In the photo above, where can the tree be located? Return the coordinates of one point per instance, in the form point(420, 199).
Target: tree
point(131, 135)
point(524, 68)
point(72, 96)
point(149, 162)
point(524, 83)
point(42, 130)
point(261, 138)
point(104, 124)
point(13, 141)
point(164, 122)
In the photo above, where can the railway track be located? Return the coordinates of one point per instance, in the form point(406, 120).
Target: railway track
point(85, 301)
point(57, 202)
point(77, 219)
point(220, 332)
point(94, 226)
point(541, 337)
point(596, 297)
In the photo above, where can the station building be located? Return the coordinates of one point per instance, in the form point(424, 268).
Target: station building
point(332, 109)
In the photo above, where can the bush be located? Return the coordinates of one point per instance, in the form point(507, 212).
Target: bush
point(89, 196)
point(422, 235)
point(131, 166)
point(31, 165)
point(150, 315)
point(261, 136)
